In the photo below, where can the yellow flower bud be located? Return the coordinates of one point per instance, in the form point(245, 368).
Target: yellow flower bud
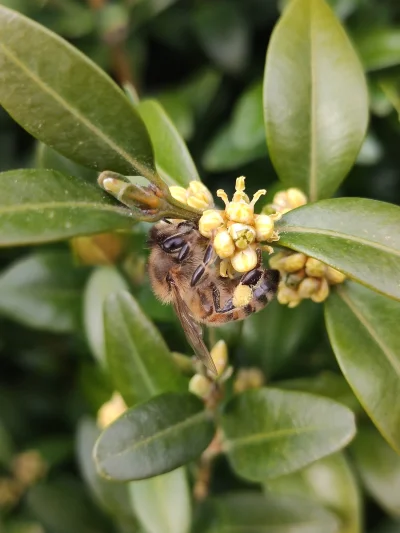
point(264, 227)
point(226, 269)
point(179, 193)
point(200, 191)
point(248, 378)
point(200, 386)
point(111, 410)
point(295, 198)
point(210, 221)
point(294, 262)
point(28, 467)
point(308, 287)
point(223, 244)
point(334, 276)
point(314, 268)
point(289, 296)
point(240, 212)
point(242, 296)
point(322, 293)
point(242, 235)
point(197, 203)
point(244, 260)
point(219, 355)
point(276, 261)
point(294, 278)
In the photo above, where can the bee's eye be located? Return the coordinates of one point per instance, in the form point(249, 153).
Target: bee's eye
point(172, 244)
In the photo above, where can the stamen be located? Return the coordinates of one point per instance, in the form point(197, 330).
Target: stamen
point(222, 194)
point(257, 196)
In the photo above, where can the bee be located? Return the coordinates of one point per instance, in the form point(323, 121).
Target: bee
point(184, 270)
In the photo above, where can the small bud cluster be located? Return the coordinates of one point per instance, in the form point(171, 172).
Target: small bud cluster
point(196, 195)
point(111, 410)
point(203, 385)
point(237, 231)
point(303, 277)
point(248, 378)
point(287, 200)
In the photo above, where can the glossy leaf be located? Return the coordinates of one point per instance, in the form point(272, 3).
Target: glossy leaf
point(390, 87)
point(357, 236)
point(102, 282)
point(43, 291)
point(6, 447)
point(44, 205)
point(47, 158)
point(138, 359)
point(329, 482)
point(112, 497)
point(378, 47)
point(272, 432)
point(154, 437)
point(247, 122)
point(173, 159)
point(251, 512)
point(314, 128)
point(379, 468)
point(271, 337)
point(66, 101)
point(362, 327)
point(162, 503)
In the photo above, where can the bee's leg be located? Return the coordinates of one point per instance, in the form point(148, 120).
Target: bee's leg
point(209, 257)
point(217, 301)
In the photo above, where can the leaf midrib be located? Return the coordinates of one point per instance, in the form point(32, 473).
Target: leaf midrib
point(313, 195)
point(340, 235)
point(394, 363)
point(187, 422)
point(62, 205)
point(142, 169)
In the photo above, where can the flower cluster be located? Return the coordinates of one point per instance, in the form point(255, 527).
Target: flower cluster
point(302, 277)
point(236, 231)
point(196, 195)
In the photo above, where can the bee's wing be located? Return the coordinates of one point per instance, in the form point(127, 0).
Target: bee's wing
point(193, 330)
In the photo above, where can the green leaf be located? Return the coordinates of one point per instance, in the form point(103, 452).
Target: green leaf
point(330, 482)
point(138, 359)
point(357, 236)
point(247, 122)
point(44, 205)
point(162, 503)
point(379, 468)
point(62, 506)
point(102, 282)
point(272, 336)
point(47, 158)
point(272, 432)
point(112, 497)
point(378, 47)
point(223, 33)
point(43, 291)
point(173, 159)
point(66, 101)
point(314, 127)
point(222, 153)
point(154, 437)
point(390, 87)
point(251, 512)
point(362, 327)
point(6, 447)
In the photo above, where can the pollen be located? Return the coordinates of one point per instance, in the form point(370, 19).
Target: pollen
point(242, 296)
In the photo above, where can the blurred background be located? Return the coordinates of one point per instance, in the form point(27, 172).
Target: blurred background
point(204, 61)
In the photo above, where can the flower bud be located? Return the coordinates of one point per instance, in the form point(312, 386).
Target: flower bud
point(244, 260)
point(294, 262)
point(334, 276)
point(179, 193)
point(199, 191)
point(308, 287)
point(248, 378)
point(100, 249)
point(276, 261)
point(28, 467)
point(200, 386)
point(242, 295)
point(111, 410)
point(295, 198)
point(294, 278)
point(210, 221)
point(264, 227)
point(223, 244)
point(288, 296)
point(314, 268)
point(240, 212)
point(322, 293)
point(242, 235)
point(197, 203)
point(219, 355)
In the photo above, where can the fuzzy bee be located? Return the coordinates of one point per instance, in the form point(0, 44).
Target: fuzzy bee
point(184, 271)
